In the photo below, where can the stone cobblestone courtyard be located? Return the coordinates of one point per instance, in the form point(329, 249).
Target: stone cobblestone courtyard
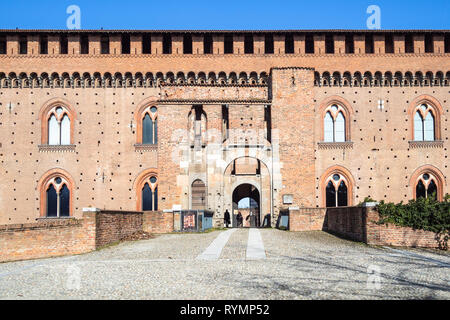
point(307, 265)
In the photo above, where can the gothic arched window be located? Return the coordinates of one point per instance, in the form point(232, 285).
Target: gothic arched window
point(149, 194)
point(336, 191)
point(57, 124)
point(149, 125)
point(56, 193)
point(426, 186)
point(424, 123)
point(335, 124)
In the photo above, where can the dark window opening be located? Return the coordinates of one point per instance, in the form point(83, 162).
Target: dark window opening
point(52, 202)
point(309, 44)
point(147, 130)
point(43, 44)
point(342, 195)
point(409, 43)
point(349, 44)
point(104, 45)
point(268, 121)
point(369, 44)
point(432, 190)
point(420, 190)
point(64, 202)
point(187, 44)
point(63, 45)
point(155, 199)
point(228, 44)
point(84, 45)
point(167, 44)
point(389, 43)
point(198, 112)
point(330, 193)
point(289, 43)
point(225, 122)
point(447, 43)
point(147, 198)
point(268, 44)
point(125, 44)
point(208, 44)
point(146, 44)
point(3, 45)
point(23, 45)
point(329, 43)
point(429, 46)
point(248, 44)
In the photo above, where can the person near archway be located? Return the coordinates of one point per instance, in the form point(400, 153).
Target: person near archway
point(239, 219)
point(226, 218)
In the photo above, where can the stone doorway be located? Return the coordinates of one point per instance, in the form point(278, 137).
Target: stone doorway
point(246, 200)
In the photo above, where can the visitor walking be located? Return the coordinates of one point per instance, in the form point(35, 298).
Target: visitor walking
point(226, 218)
point(239, 219)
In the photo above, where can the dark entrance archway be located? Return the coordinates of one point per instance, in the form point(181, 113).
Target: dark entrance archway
point(246, 200)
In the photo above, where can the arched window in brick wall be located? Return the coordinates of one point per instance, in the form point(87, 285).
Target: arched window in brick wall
point(58, 127)
point(146, 118)
point(150, 194)
point(334, 124)
point(427, 182)
point(336, 191)
point(336, 186)
point(146, 187)
point(57, 123)
point(336, 114)
point(56, 194)
point(425, 114)
point(424, 123)
point(426, 186)
point(150, 126)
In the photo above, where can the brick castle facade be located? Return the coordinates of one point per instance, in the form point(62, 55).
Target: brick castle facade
point(177, 120)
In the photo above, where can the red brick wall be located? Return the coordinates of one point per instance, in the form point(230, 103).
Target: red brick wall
point(47, 238)
point(347, 222)
point(58, 237)
point(112, 226)
point(359, 224)
point(307, 219)
point(158, 222)
point(393, 235)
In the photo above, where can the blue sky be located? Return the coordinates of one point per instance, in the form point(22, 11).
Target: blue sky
point(225, 14)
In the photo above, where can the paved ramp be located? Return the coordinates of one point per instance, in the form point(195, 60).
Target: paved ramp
point(215, 248)
point(255, 245)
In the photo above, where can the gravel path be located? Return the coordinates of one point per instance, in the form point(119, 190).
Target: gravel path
point(310, 265)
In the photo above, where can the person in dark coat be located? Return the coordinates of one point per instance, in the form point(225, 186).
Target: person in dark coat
point(239, 219)
point(226, 218)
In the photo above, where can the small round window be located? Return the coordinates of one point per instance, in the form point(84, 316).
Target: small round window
point(153, 109)
point(58, 180)
point(426, 177)
point(59, 110)
point(153, 179)
point(336, 177)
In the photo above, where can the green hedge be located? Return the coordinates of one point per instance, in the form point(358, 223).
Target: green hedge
point(425, 214)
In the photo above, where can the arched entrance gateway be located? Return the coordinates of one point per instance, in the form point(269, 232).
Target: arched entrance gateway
point(247, 189)
point(246, 201)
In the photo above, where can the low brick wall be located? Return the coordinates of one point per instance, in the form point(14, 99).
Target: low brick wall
point(360, 224)
point(47, 238)
point(393, 235)
point(58, 237)
point(307, 219)
point(113, 226)
point(158, 222)
point(347, 222)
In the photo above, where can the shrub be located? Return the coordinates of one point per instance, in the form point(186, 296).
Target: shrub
point(424, 214)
